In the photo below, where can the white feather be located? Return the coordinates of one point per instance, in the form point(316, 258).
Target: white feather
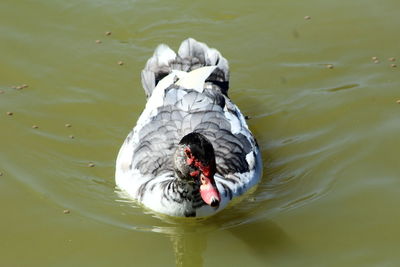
point(164, 54)
point(196, 78)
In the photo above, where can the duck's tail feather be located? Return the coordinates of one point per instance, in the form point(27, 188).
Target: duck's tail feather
point(191, 55)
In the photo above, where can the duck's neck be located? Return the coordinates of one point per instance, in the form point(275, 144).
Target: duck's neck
point(182, 190)
point(183, 194)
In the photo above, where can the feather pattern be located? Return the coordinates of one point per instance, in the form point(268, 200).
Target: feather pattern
point(187, 92)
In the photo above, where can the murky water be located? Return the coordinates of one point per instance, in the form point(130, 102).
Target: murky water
point(324, 114)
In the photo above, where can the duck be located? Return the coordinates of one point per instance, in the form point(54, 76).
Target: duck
point(191, 152)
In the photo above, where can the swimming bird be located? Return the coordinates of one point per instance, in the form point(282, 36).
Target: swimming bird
point(191, 151)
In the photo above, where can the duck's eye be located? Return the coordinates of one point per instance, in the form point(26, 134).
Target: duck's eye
point(188, 153)
point(189, 159)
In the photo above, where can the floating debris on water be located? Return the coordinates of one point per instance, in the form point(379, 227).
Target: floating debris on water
point(19, 87)
point(252, 199)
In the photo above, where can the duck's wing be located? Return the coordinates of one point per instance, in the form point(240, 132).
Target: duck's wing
point(168, 78)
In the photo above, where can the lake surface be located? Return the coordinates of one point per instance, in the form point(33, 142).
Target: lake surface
point(324, 112)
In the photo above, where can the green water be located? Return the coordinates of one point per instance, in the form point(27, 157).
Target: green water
point(329, 136)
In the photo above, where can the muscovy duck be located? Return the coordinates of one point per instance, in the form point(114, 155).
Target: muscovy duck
point(191, 151)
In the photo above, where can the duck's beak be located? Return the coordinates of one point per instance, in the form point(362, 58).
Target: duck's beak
point(209, 192)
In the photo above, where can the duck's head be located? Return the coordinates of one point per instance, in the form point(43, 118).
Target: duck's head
point(195, 163)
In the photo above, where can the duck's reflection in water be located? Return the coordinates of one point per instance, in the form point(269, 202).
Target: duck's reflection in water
point(195, 242)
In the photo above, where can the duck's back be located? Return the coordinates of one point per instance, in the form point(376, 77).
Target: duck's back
point(187, 93)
